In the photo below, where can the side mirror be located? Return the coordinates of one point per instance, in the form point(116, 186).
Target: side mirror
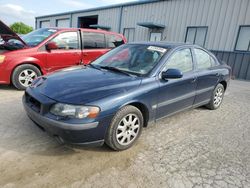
point(51, 46)
point(171, 74)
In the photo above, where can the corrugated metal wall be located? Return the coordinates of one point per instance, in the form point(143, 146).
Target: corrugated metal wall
point(238, 61)
point(222, 17)
point(106, 17)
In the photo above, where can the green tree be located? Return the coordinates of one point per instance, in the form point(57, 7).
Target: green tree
point(20, 28)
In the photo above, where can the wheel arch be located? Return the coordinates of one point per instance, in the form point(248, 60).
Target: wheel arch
point(224, 83)
point(25, 63)
point(143, 108)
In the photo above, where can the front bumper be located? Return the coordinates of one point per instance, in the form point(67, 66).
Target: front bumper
point(91, 133)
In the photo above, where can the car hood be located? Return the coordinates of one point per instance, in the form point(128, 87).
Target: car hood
point(81, 84)
point(6, 34)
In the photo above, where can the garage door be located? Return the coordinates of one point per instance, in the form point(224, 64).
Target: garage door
point(62, 23)
point(44, 24)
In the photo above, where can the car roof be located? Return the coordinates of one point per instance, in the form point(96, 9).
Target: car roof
point(83, 29)
point(165, 44)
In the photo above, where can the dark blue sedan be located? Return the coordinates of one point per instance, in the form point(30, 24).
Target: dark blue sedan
point(113, 98)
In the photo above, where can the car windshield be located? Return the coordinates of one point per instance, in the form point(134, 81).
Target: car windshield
point(135, 59)
point(36, 37)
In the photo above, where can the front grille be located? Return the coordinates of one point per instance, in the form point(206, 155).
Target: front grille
point(33, 103)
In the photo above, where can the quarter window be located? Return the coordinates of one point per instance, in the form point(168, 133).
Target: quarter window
point(66, 41)
point(196, 35)
point(93, 40)
point(243, 41)
point(114, 41)
point(203, 59)
point(181, 60)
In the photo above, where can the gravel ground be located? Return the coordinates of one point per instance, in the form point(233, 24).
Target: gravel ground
point(195, 148)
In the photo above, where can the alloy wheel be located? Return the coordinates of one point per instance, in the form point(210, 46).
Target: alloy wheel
point(128, 129)
point(218, 96)
point(26, 77)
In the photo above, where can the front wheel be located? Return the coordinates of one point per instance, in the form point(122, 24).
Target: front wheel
point(217, 97)
point(125, 128)
point(24, 75)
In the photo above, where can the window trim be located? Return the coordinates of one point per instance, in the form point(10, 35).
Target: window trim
point(196, 27)
point(177, 50)
point(237, 38)
point(133, 28)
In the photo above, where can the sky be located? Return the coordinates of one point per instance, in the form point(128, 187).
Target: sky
point(26, 10)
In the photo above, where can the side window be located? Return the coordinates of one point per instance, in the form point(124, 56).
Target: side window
point(93, 40)
point(114, 41)
point(181, 60)
point(66, 41)
point(213, 62)
point(203, 59)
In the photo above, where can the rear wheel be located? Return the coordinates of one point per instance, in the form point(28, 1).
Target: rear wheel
point(24, 75)
point(125, 128)
point(217, 97)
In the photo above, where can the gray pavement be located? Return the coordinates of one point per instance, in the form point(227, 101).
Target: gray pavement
point(195, 148)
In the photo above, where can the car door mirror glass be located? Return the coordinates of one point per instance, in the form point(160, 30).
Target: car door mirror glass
point(171, 74)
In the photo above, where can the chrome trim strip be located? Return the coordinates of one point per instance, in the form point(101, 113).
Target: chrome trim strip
point(186, 96)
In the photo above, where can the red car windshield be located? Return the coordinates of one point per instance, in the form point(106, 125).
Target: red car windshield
point(36, 37)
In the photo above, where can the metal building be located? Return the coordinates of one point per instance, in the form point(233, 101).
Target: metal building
point(222, 26)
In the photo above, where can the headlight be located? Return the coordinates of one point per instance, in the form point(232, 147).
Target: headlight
point(79, 112)
point(2, 57)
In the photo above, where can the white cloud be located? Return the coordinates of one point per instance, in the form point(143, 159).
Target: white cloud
point(77, 4)
point(15, 13)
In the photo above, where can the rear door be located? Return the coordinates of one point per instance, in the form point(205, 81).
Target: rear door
point(177, 94)
point(207, 76)
point(94, 45)
point(68, 52)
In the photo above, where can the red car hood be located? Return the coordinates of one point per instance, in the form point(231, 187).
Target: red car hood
point(6, 33)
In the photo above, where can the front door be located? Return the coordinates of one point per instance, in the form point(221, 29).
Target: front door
point(177, 94)
point(68, 52)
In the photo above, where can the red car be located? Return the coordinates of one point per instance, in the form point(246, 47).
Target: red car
point(45, 50)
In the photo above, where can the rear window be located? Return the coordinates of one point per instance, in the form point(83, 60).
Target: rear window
point(92, 40)
point(114, 41)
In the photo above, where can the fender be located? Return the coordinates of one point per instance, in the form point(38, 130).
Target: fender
point(24, 60)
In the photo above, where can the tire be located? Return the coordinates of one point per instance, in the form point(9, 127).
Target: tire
point(120, 131)
point(216, 98)
point(23, 75)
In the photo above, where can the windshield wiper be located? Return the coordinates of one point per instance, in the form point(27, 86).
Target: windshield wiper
point(93, 66)
point(115, 69)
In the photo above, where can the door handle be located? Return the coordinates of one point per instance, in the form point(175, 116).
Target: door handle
point(217, 74)
point(194, 80)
